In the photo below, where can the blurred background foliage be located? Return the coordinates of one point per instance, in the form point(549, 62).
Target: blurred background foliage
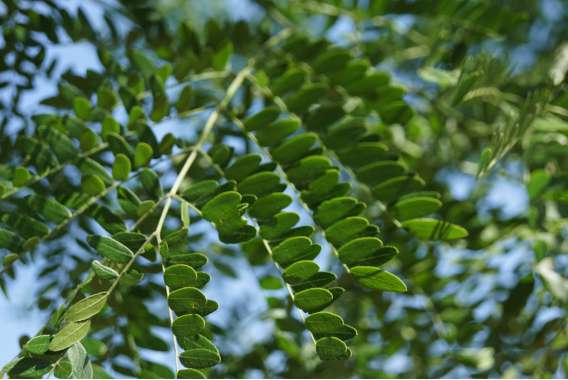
point(486, 80)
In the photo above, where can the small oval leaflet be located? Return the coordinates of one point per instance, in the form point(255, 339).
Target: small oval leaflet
point(432, 229)
point(190, 373)
point(103, 271)
point(38, 344)
point(179, 276)
point(111, 248)
point(332, 348)
point(312, 300)
point(187, 300)
point(188, 325)
point(68, 335)
point(376, 278)
point(86, 308)
point(199, 358)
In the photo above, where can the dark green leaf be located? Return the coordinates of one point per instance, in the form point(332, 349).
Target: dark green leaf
point(199, 358)
point(111, 249)
point(332, 348)
point(314, 299)
point(38, 344)
point(188, 325)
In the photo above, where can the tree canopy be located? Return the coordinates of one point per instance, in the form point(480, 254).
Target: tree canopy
point(290, 189)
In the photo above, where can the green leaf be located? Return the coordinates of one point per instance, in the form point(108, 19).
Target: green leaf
point(188, 325)
point(145, 207)
point(268, 206)
point(160, 105)
point(49, 208)
point(111, 248)
point(319, 279)
point(300, 271)
point(442, 78)
point(94, 347)
point(363, 153)
point(81, 367)
point(184, 214)
point(294, 148)
point(92, 185)
point(190, 373)
point(332, 348)
point(349, 129)
point(325, 187)
point(293, 78)
point(59, 143)
point(38, 344)
point(29, 368)
point(199, 192)
point(300, 101)
point(199, 358)
point(484, 161)
point(21, 176)
point(92, 167)
point(187, 301)
point(222, 56)
point(88, 140)
point(416, 207)
point(376, 278)
point(243, 167)
point(332, 211)
point(9, 240)
point(377, 172)
point(308, 170)
point(106, 98)
point(346, 230)
point(70, 334)
point(324, 324)
point(295, 249)
point(86, 308)
point(394, 188)
point(180, 276)
point(132, 240)
point(555, 282)
point(82, 108)
point(273, 134)
point(539, 179)
point(332, 60)
point(261, 184)
point(432, 229)
point(279, 225)
point(225, 212)
point(365, 251)
point(221, 154)
point(314, 299)
point(369, 84)
point(121, 167)
point(262, 118)
point(195, 260)
point(270, 283)
point(142, 154)
point(151, 183)
point(198, 341)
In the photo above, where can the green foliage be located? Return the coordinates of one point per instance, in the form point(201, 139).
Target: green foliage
point(199, 153)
